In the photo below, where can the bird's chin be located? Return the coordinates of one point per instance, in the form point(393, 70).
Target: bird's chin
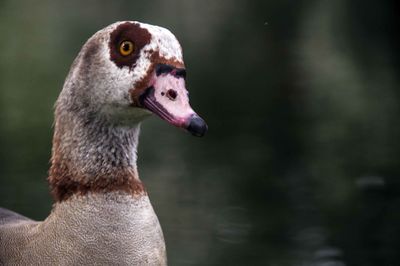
point(126, 116)
point(140, 113)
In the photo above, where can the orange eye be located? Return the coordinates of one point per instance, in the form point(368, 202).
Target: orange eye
point(126, 48)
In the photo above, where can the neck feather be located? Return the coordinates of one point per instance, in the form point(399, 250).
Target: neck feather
point(91, 154)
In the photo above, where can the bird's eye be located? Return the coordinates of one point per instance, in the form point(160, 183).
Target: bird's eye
point(126, 48)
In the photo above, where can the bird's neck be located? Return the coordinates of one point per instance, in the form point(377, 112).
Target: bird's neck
point(92, 155)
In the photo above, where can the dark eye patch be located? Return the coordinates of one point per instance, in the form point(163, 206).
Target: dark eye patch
point(163, 69)
point(128, 31)
point(180, 72)
point(168, 69)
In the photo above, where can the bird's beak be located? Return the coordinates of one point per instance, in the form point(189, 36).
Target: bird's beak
point(167, 97)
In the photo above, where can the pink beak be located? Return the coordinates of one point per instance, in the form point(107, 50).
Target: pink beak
point(168, 98)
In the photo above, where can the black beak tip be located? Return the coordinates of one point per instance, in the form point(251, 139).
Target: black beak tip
point(197, 126)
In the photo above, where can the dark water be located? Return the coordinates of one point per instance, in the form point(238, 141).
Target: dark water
point(301, 162)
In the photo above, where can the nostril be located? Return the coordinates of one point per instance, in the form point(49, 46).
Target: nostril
point(171, 94)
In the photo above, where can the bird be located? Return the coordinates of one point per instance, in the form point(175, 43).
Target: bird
point(102, 214)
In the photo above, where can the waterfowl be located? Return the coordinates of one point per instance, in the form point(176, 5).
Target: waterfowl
point(102, 214)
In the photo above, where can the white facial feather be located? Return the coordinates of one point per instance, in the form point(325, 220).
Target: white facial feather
point(113, 83)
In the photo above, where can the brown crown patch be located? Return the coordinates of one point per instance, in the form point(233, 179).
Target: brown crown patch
point(128, 31)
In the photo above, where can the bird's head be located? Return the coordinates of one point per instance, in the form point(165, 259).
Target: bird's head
point(129, 70)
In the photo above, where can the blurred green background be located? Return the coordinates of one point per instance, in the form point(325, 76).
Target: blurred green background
point(301, 164)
